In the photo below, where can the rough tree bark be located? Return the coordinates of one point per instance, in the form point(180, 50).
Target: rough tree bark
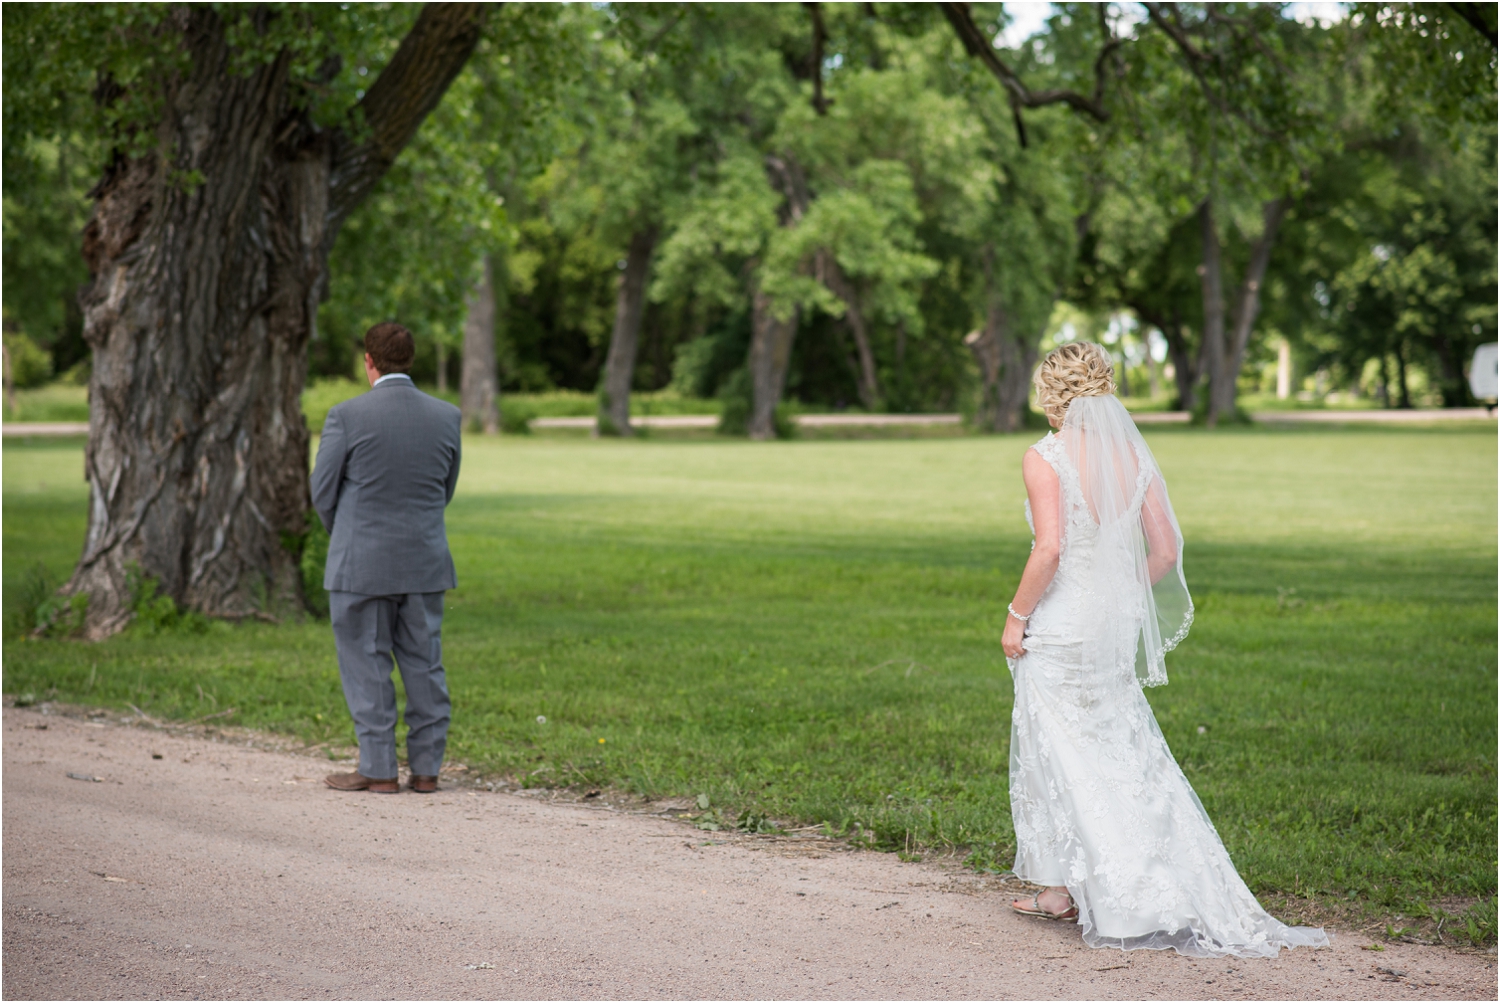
point(479, 382)
point(202, 300)
point(625, 339)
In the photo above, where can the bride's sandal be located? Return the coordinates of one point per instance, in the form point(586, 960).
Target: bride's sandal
point(1037, 910)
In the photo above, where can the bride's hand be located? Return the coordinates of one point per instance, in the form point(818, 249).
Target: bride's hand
point(1015, 634)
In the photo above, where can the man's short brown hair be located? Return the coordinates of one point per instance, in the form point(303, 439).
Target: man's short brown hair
point(390, 347)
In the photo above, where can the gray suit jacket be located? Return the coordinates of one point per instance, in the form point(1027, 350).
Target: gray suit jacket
point(387, 466)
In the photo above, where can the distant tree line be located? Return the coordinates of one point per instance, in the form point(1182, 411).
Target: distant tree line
point(870, 205)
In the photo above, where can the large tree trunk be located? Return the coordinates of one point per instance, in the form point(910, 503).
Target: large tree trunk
point(1005, 361)
point(203, 299)
point(770, 353)
point(1247, 304)
point(986, 349)
point(771, 339)
point(1005, 364)
point(1211, 273)
point(624, 341)
point(479, 383)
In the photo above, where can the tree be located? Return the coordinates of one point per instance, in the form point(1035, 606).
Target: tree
point(430, 241)
point(238, 144)
point(479, 390)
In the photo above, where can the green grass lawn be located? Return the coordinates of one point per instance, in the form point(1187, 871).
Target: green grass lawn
point(810, 631)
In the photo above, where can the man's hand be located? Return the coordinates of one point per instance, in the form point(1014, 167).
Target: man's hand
point(1011, 640)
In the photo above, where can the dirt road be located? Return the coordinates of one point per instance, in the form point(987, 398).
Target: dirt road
point(220, 870)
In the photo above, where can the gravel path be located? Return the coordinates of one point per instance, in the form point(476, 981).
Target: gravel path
point(220, 871)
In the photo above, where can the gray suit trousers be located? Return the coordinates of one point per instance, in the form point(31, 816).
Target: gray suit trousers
point(368, 630)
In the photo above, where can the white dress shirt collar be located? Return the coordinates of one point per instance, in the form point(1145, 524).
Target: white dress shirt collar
point(391, 376)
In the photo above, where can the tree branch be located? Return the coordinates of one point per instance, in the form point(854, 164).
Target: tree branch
point(1474, 14)
point(820, 35)
point(411, 85)
point(1196, 59)
point(1021, 96)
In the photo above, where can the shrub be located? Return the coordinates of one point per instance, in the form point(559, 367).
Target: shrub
point(34, 592)
point(515, 417)
point(157, 614)
point(30, 364)
point(312, 559)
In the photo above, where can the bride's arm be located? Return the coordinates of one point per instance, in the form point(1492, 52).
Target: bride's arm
point(1046, 504)
point(1161, 537)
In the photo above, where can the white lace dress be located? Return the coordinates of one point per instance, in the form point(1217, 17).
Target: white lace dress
point(1100, 806)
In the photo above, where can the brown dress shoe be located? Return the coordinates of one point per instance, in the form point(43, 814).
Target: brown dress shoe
point(360, 782)
point(422, 785)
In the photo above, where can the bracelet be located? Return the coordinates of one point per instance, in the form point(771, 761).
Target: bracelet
point(1011, 609)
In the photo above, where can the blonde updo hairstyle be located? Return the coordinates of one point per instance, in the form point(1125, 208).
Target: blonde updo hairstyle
point(1077, 369)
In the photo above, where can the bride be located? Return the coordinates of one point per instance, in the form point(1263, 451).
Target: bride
point(1104, 817)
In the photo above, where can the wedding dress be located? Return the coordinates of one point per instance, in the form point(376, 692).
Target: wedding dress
point(1100, 806)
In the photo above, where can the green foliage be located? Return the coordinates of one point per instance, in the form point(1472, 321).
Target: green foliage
point(44, 211)
point(1476, 926)
point(155, 615)
point(27, 606)
point(413, 249)
point(1424, 61)
point(575, 126)
point(312, 560)
point(98, 70)
point(59, 616)
point(30, 366)
point(769, 625)
point(515, 416)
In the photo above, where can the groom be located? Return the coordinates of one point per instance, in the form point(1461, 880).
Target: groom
point(387, 466)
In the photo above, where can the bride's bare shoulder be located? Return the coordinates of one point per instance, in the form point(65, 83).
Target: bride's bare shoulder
point(1036, 465)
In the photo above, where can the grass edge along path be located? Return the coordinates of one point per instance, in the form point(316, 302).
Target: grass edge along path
point(806, 632)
